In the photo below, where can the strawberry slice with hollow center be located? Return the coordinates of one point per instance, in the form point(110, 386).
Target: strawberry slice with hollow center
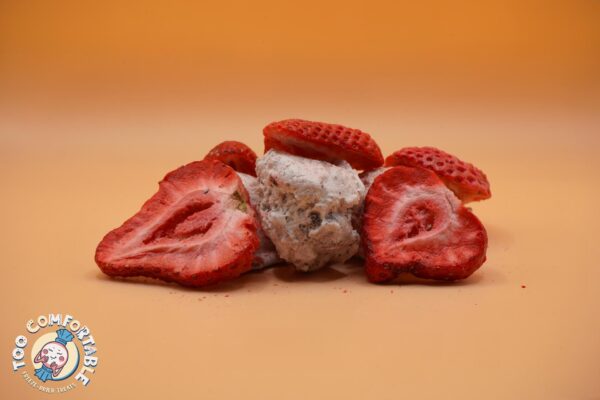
point(198, 229)
point(413, 223)
point(235, 154)
point(323, 141)
point(467, 182)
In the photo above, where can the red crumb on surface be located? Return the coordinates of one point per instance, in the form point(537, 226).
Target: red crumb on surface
point(523, 286)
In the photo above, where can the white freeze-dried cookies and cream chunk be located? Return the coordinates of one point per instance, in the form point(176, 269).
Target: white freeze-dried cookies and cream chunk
point(368, 177)
point(306, 208)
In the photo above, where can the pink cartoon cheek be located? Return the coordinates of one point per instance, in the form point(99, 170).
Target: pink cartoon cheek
point(61, 359)
point(45, 351)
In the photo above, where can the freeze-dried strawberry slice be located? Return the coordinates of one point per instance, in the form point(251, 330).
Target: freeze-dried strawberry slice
point(196, 230)
point(322, 141)
point(466, 181)
point(413, 223)
point(235, 154)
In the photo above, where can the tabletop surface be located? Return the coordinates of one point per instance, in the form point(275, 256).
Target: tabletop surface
point(84, 145)
point(525, 324)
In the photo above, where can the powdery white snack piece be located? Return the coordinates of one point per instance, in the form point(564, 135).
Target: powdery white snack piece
point(265, 255)
point(306, 208)
point(368, 177)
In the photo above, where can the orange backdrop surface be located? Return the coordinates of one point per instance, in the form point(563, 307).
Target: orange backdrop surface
point(98, 100)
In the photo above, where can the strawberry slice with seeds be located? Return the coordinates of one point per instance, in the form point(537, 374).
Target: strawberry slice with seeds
point(413, 223)
point(467, 182)
point(323, 141)
point(235, 154)
point(198, 229)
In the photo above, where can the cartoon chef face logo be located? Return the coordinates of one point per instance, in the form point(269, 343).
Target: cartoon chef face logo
point(57, 358)
point(54, 355)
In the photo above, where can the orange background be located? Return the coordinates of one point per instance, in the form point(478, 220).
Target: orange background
point(98, 100)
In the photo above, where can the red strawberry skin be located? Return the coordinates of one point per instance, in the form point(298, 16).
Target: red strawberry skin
point(413, 223)
point(198, 229)
point(323, 141)
point(467, 182)
point(235, 154)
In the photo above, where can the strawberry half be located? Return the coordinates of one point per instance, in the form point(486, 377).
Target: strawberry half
point(413, 223)
point(235, 154)
point(467, 182)
point(322, 141)
point(198, 229)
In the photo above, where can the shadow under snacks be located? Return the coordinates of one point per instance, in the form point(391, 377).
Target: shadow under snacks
point(350, 271)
